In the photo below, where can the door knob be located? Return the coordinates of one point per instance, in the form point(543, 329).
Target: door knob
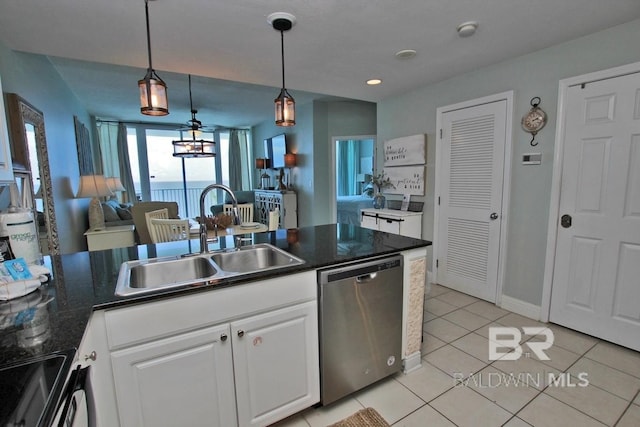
point(494, 215)
point(223, 337)
point(565, 220)
point(240, 333)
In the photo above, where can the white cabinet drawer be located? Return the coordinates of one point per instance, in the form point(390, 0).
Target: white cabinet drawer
point(369, 222)
point(389, 225)
point(393, 221)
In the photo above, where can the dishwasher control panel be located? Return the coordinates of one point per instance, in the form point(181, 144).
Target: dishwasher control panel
point(359, 269)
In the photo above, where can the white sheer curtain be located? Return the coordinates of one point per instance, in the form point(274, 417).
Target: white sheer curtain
point(115, 156)
point(239, 165)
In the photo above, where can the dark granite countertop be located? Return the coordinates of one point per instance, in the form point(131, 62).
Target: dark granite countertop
point(54, 317)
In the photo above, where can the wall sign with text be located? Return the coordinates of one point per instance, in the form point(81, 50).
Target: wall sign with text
point(406, 180)
point(408, 150)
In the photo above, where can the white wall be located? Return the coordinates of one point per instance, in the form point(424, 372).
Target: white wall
point(310, 139)
point(36, 80)
point(536, 74)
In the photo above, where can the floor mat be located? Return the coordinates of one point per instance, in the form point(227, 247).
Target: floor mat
point(368, 417)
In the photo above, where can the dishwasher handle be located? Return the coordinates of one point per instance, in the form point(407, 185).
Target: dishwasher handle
point(366, 278)
point(69, 412)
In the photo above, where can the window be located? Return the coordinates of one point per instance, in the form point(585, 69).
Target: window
point(157, 175)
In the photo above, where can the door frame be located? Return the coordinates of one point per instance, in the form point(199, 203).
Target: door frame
point(506, 181)
point(333, 203)
point(556, 181)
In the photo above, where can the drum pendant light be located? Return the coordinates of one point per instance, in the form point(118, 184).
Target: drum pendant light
point(193, 148)
point(285, 106)
point(153, 91)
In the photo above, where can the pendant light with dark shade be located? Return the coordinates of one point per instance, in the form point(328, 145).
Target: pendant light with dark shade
point(153, 91)
point(284, 103)
point(190, 148)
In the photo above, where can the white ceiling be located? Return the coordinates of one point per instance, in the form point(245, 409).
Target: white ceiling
point(333, 49)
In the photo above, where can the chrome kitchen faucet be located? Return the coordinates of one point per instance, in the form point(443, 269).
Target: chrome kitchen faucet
point(203, 225)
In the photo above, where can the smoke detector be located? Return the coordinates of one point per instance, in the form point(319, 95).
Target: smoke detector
point(467, 29)
point(405, 54)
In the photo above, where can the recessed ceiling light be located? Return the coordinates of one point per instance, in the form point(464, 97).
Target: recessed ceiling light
point(467, 29)
point(373, 82)
point(406, 54)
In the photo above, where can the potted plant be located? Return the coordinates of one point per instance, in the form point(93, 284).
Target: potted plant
point(378, 183)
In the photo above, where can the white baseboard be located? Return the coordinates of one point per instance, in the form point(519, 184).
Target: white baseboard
point(520, 307)
point(412, 362)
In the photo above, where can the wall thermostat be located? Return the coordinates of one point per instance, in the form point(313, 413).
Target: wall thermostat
point(532, 158)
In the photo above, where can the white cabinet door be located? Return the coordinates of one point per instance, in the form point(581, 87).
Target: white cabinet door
point(285, 202)
point(184, 380)
point(470, 197)
point(276, 364)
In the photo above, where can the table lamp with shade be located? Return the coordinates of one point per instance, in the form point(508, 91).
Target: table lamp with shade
point(94, 186)
point(115, 185)
point(289, 162)
point(262, 164)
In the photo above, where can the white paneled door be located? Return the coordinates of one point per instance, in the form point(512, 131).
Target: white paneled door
point(469, 195)
point(596, 277)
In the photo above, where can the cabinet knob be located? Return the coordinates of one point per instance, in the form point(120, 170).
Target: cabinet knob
point(240, 333)
point(91, 356)
point(223, 337)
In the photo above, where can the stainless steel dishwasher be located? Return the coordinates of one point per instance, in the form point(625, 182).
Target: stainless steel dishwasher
point(360, 325)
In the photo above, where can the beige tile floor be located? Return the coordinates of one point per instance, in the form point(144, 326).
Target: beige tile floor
point(458, 385)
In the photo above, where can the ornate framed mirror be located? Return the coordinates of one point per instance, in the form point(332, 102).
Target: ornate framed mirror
point(29, 148)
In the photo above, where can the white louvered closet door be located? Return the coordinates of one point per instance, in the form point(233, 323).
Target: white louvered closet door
point(470, 211)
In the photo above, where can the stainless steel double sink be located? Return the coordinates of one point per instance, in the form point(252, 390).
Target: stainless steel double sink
point(156, 274)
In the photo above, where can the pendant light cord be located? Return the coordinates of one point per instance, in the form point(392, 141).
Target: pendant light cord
point(146, 11)
point(190, 98)
point(282, 55)
point(193, 114)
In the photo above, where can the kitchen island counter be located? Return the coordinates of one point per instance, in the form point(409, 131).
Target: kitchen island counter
point(54, 317)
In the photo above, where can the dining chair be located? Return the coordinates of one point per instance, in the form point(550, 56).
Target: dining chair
point(138, 211)
point(245, 210)
point(168, 230)
point(158, 213)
